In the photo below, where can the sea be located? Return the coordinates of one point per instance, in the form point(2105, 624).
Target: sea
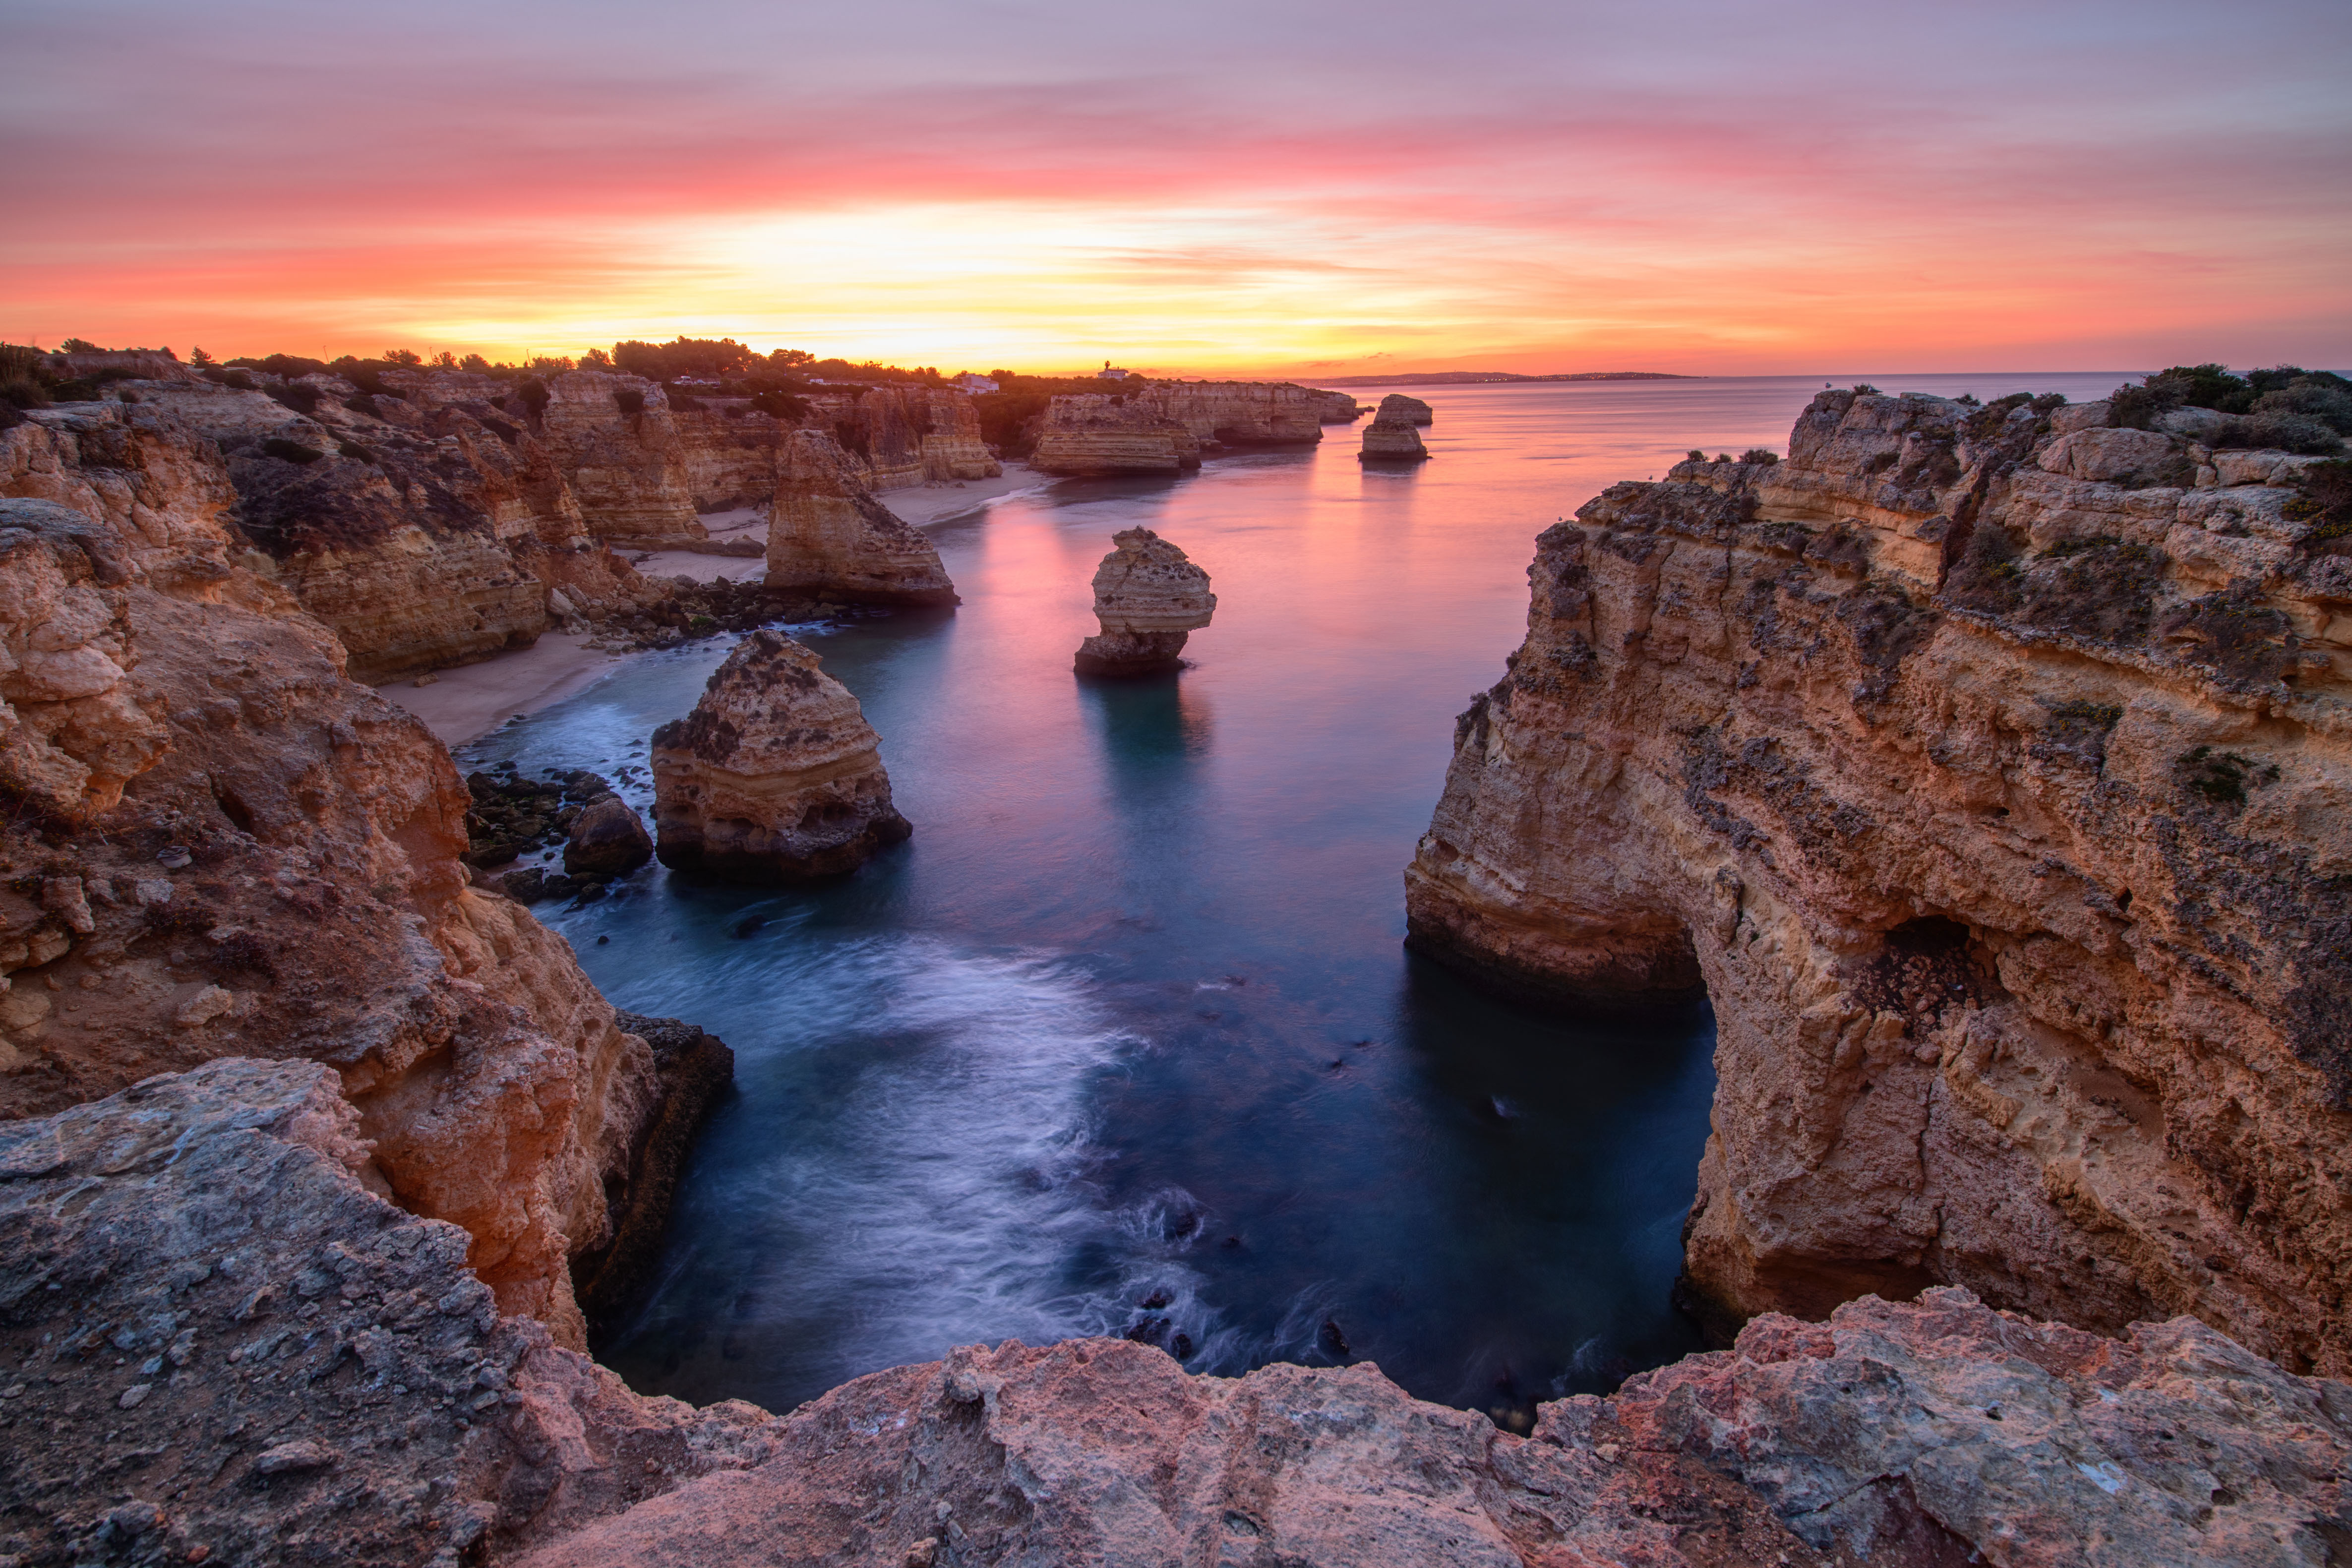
point(1125, 1039)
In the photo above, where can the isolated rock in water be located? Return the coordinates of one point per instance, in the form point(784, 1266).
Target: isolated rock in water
point(1396, 408)
point(775, 776)
point(1093, 434)
point(1391, 438)
point(1983, 764)
point(1148, 597)
point(608, 840)
point(828, 535)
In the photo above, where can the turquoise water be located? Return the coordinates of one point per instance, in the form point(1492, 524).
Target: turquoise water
point(1124, 1039)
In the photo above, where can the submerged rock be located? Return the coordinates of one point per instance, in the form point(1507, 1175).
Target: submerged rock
point(828, 535)
point(1390, 436)
point(775, 776)
point(1147, 597)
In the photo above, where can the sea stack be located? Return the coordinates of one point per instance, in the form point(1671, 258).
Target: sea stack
point(775, 776)
point(1390, 436)
point(828, 535)
point(1148, 595)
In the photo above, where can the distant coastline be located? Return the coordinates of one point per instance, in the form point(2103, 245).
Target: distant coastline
point(1462, 377)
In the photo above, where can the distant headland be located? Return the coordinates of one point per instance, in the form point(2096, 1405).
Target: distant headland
point(1464, 378)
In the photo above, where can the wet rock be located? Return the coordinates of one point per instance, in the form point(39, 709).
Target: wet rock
point(775, 776)
point(609, 839)
point(1147, 597)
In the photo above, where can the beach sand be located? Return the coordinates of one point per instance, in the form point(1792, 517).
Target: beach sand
point(471, 699)
point(468, 700)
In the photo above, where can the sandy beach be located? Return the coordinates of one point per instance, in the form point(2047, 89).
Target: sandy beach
point(468, 700)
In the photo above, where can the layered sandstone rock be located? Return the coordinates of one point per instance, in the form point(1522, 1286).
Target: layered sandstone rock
point(1336, 407)
point(1910, 1436)
point(1390, 436)
point(1396, 408)
point(265, 860)
point(775, 776)
point(1095, 434)
point(1240, 413)
point(427, 529)
point(1988, 768)
point(1149, 596)
point(232, 1349)
point(235, 1351)
point(826, 533)
point(614, 439)
point(902, 436)
point(733, 454)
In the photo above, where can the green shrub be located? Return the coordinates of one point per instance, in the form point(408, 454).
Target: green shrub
point(403, 356)
point(1696, 455)
point(1863, 389)
point(78, 346)
point(781, 406)
point(1764, 456)
point(2203, 386)
point(2221, 777)
point(24, 376)
point(2308, 397)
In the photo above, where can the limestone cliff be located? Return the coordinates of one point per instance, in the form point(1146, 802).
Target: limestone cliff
point(220, 844)
point(614, 439)
point(1241, 412)
point(827, 534)
point(1093, 434)
point(1988, 767)
point(775, 776)
point(1148, 598)
point(230, 1351)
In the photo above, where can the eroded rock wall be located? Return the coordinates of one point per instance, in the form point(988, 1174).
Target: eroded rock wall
point(1988, 768)
point(618, 446)
point(1243, 413)
point(219, 844)
point(827, 534)
point(1092, 434)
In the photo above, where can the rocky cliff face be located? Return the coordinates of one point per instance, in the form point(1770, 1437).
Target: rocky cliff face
point(427, 529)
point(1988, 767)
point(231, 1350)
point(222, 845)
point(775, 776)
point(827, 534)
point(1242, 413)
point(904, 435)
point(1093, 433)
point(1149, 597)
point(616, 442)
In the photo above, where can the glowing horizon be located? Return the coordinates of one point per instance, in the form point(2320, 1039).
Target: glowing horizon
point(1701, 189)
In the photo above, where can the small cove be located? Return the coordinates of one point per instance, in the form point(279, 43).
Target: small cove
point(1124, 1040)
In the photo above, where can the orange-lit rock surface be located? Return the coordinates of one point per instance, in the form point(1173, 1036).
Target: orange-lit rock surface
point(775, 776)
point(1989, 769)
point(1149, 597)
point(614, 439)
point(827, 534)
point(263, 860)
point(1087, 433)
point(1392, 436)
point(1242, 413)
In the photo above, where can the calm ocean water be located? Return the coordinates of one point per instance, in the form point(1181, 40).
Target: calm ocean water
point(1124, 1039)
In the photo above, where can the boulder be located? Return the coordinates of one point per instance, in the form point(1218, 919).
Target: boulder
point(775, 776)
point(827, 534)
point(608, 839)
point(1147, 597)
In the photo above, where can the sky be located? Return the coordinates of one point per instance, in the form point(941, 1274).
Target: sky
point(1703, 186)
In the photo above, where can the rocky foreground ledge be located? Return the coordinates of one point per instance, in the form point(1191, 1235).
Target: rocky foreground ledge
point(222, 1346)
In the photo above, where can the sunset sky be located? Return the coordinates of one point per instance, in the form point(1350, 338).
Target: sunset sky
point(1695, 185)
